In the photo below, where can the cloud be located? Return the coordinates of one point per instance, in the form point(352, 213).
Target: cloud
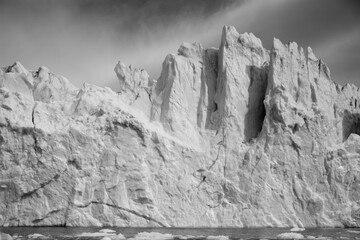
point(83, 40)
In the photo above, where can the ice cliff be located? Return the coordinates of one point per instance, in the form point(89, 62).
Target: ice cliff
point(236, 136)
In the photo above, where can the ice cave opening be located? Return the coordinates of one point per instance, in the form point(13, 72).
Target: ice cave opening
point(350, 124)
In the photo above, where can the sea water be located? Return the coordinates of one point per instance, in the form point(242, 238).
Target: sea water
point(188, 233)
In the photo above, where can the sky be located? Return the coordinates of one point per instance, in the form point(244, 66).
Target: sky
point(84, 39)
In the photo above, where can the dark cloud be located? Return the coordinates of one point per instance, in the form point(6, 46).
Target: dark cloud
point(143, 19)
point(155, 12)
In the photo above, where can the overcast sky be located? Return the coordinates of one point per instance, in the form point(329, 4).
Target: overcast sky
point(84, 39)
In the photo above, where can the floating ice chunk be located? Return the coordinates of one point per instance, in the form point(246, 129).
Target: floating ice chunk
point(153, 236)
point(5, 236)
point(297, 229)
point(95, 234)
point(107, 231)
point(221, 237)
point(106, 238)
point(36, 235)
point(119, 237)
point(290, 236)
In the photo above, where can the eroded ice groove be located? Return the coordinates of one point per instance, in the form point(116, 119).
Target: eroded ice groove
point(242, 82)
point(230, 136)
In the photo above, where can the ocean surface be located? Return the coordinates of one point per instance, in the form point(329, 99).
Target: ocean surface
point(197, 233)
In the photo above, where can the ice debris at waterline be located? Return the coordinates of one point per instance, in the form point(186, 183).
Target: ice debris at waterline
point(238, 234)
point(238, 136)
